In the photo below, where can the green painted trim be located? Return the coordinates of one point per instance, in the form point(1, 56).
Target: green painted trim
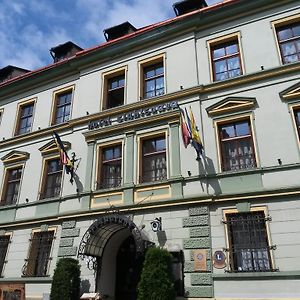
point(47, 209)
point(174, 151)
point(128, 196)
point(176, 190)
point(128, 164)
point(26, 279)
point(243, 206)
point(287, 275)
point(89, 166)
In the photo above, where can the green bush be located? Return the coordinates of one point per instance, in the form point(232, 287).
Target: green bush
point(156, 281)
point(66, 280)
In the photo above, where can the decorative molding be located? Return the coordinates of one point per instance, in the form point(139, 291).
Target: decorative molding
point(291, 93)
point(51, 147)
point(15, 156)
point(231, 104)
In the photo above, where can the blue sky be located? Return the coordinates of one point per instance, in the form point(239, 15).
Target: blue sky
point(29, 28)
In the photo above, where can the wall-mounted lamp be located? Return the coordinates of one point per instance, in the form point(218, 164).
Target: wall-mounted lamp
point(156, 225)
point(27, 200)
point(279, 161)
point(189, 173)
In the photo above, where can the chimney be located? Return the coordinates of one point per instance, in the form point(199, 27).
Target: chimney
point(10, 72)
point(64, 51)
point(187, 6)
point(118, 31)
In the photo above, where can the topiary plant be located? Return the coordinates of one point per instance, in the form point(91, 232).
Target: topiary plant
point(156, 281)
point(66, 280)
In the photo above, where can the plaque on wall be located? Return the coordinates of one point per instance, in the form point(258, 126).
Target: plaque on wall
point(219, 259)
point(200, 260)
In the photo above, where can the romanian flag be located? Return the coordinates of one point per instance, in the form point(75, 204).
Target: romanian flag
point(196, 140)
point(186, 135)
point(64, 158)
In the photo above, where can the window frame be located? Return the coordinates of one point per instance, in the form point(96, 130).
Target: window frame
point(1, 114)
point(9, 234)
point(140, 139)
point(221, 41)
point(230, 120)
point(99, 152)
point(263, 209)
point(4, 189)
point(161, 58)
point(38, 231)
point(21, 105)
point(282, 23)
point(55, 96)
point(44, 177)
point(292, 109)
point(105, 81)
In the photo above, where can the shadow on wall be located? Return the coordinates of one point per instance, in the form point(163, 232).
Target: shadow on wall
point(206, 167)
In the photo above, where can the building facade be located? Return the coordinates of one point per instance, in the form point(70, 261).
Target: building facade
point(231, 218)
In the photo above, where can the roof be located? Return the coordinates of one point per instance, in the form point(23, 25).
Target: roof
point(187, 6)
point(118, 31)
point(122, 38)
point(4, 72)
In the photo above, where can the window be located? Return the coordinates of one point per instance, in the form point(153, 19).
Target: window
point(62, 106)
point(226, 60)
point(236, 145)
point(249, 249)
point(39, 254)
point(109, 175)
point(12, 183)
point(297, 120)
point(1, 114)
point(115, 92)
point(4, 241)
point(288, 37)
point(24, 118)
point(153, 162)
point(152, 77)
point(52, 179)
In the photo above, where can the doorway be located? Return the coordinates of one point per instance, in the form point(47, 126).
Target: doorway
point(128, 270)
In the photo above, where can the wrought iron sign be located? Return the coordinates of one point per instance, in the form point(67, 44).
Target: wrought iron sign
point(134, 115)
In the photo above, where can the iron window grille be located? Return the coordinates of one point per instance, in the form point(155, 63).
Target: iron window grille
point(115, 91)
point(289, 42)
point(249, 249)
point(154, 80)
point(36, 265)
point(4, 241)
point(25, 118)
point(226, 60)
point(12, 186)
point(237, 147)
point(63, 107)
point(52, 180)
point(111, 167)
point(154, 166)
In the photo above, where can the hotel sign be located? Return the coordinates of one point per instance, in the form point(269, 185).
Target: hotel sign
point(134, 115)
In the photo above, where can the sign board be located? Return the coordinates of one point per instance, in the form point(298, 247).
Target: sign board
point(219, 259)
point(200, 256)
point(134, 115)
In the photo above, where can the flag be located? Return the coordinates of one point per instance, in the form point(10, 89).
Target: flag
point(196, 140)
point(186, 136)
point(64, 158)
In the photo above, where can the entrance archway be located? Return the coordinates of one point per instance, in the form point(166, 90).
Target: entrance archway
point(107, 242)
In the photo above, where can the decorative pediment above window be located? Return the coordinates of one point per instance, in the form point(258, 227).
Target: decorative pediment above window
point(292, 93)
point(231, 104)
point(51, 147)
point(15, 156)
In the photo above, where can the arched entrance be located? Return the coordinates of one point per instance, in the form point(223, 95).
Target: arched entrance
point(116, 247)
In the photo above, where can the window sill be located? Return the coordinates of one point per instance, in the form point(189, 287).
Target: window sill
point(22, 279)
point(258, 275)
